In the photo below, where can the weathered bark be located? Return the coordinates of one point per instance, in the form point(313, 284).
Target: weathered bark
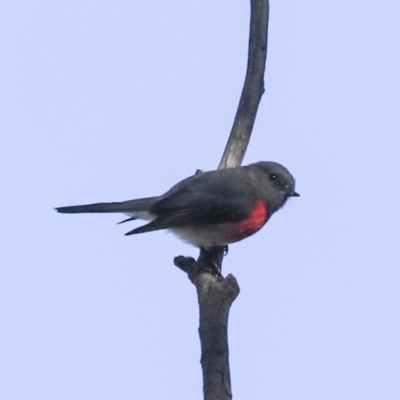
point(215, 296)
point(215, 293)
point(253, 87)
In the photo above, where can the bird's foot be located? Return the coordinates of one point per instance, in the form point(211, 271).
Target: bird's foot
point(212, 268)
point(209, 261)
point(193, 268)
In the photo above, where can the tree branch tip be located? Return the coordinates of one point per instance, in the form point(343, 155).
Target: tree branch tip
point(184, 263)
point(231, 286)
point(195, 268)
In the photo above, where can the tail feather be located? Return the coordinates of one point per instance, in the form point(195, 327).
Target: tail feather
point(122, 207)
point(151, 226)
point(127, 220)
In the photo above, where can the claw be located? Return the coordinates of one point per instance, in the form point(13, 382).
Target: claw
point(215, 270)
point(126, 220)
point(211, 260)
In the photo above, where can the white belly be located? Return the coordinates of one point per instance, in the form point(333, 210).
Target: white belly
point(144, 215)
point(205, 236)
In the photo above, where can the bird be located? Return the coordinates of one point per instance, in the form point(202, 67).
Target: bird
point(210, 209)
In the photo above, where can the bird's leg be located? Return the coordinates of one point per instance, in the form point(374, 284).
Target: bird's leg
point(211, 260)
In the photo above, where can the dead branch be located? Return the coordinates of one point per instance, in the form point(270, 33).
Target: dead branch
point(215, 293)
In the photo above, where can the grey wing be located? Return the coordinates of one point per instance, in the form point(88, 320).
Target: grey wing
point(206, 198)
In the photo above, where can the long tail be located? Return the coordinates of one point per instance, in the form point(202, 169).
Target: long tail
point(122, 207)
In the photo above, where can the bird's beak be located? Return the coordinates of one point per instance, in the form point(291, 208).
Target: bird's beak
point(290, 192)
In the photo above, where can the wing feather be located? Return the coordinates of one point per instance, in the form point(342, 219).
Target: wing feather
point(227, 196)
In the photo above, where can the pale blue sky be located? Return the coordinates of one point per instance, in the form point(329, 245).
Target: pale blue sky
point(108, 101)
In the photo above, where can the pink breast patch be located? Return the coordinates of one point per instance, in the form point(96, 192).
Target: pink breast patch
point(249, 226)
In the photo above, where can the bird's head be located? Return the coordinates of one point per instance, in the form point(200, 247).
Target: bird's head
point(276, 183)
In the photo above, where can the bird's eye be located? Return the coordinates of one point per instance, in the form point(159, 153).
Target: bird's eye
point(272, 177)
